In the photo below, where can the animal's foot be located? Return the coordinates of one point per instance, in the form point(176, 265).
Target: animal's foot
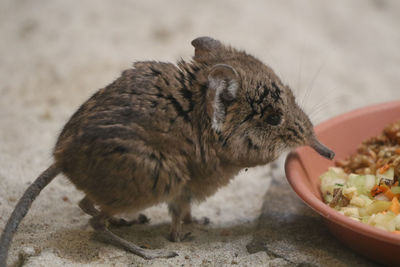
point(179, 237)
point(141, 219)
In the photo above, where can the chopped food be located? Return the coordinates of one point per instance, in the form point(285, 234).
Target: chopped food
point(365, 186)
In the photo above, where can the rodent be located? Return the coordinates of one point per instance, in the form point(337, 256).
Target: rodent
point(172, 133)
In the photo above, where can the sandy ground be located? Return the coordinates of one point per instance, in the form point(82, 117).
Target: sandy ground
point(336, 55)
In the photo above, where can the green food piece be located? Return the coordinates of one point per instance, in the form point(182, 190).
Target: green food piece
point(363, 183)
point(384, 221)
point(365, 219)
point(375, 207)
point(368, 200)
point(333, 178)
point(370, 181)
point(395, 189)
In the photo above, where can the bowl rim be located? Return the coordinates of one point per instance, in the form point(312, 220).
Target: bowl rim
point(319, 206)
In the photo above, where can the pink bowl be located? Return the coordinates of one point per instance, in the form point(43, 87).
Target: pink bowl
point(343, 134)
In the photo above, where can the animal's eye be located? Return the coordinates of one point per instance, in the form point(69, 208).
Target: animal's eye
point(274, 119)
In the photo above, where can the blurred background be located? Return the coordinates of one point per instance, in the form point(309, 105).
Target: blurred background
point(335, 55)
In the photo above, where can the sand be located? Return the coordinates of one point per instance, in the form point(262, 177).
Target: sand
point(336, 55)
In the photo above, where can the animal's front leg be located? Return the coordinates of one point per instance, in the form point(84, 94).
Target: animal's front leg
point(178, 208)
point(187, 218)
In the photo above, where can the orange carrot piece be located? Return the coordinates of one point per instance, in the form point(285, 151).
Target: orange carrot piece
point(389, 194)
point(375, 190)
point(396, 232)
point(396, 183)
point(397, 151)
point(384, 168)
point(395, 207)
point(384, 188)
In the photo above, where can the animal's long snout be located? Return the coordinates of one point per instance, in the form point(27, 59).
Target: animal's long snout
point(322, 149)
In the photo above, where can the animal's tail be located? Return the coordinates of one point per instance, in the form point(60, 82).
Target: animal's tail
point(22, 208)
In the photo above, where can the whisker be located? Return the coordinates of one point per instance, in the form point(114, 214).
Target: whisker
point(321, 106)
point(298, 85)
point(331, 100)
point(327, 98)
point(311, 85)
point(315, 116)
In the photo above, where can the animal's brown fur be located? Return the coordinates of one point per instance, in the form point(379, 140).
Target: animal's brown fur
point(147, 137)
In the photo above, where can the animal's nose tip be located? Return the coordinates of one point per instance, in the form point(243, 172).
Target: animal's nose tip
point(322, 149)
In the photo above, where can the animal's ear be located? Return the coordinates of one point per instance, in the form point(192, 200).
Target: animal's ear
point(223, 82)
point(204, 48)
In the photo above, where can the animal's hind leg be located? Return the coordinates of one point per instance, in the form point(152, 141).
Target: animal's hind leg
point(87, 206)
point(141, 219)
point(99, 225)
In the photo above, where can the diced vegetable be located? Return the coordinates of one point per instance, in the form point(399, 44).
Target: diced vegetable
point(383, 221)
point(395, 206)
point(358, 201)
point(350, 211)
point(338, 199)
point(388, 174)
point(363, 183)
point(332, 179)
point(370, 181)
point(395, 189)
point(350, 192)
point(382, 197)
point(397, 221)
point(375, 207)
point(389, 194)
point(368, 201)
point(378, 189)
